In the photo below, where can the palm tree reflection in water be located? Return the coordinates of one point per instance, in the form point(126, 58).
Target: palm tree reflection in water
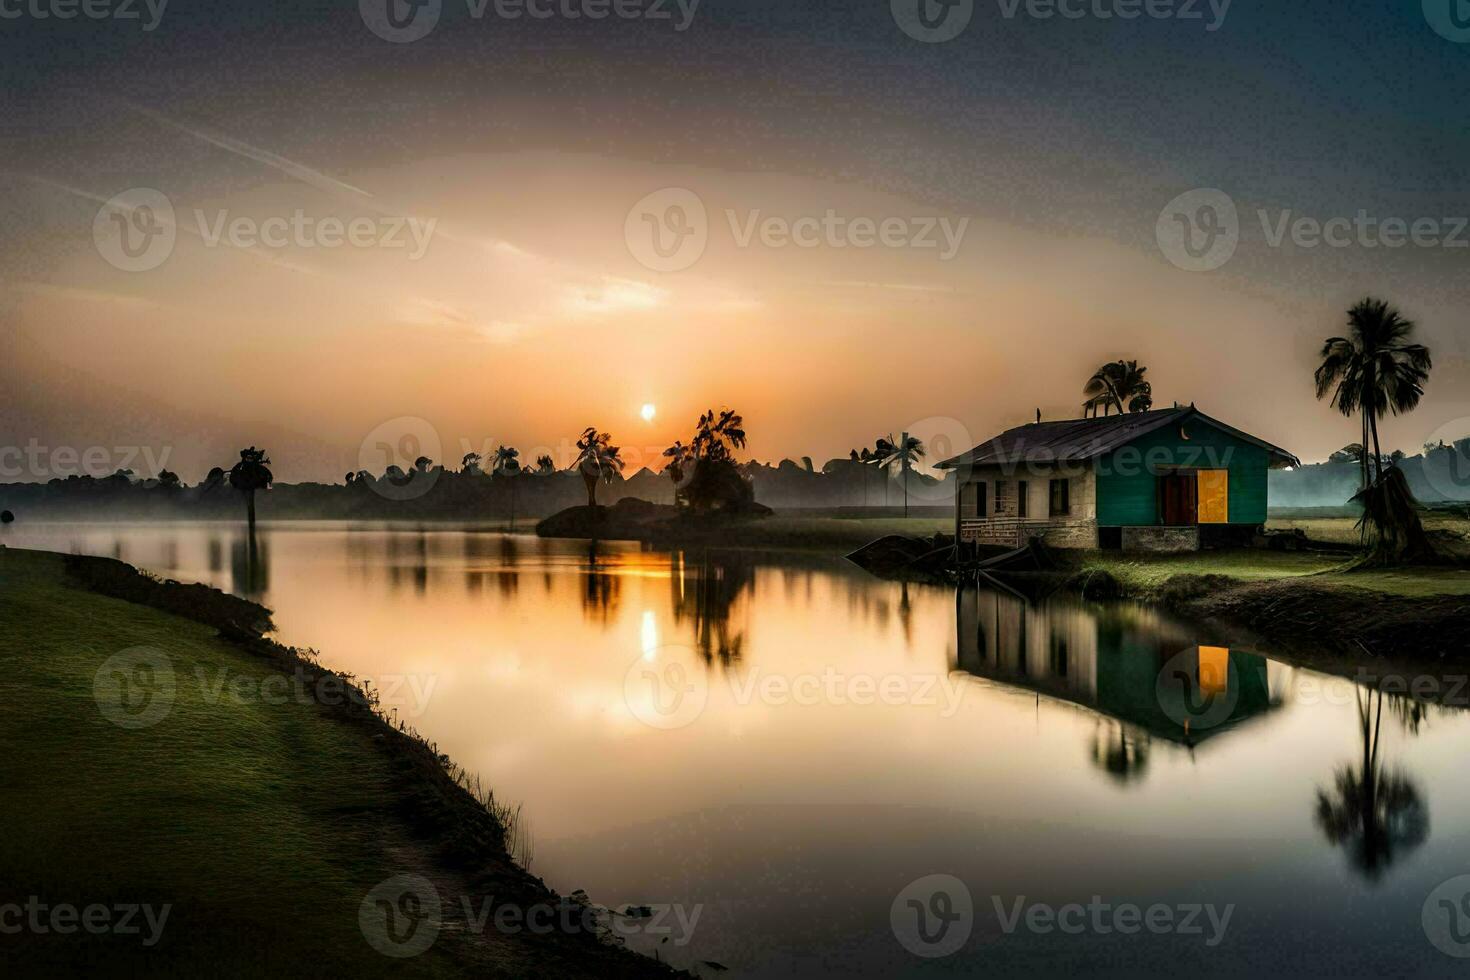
point(704, 592)
point(1376, 814)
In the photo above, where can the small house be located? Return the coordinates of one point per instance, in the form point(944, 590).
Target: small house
point(1170, 480)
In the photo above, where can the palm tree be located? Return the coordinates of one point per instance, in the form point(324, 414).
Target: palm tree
point(597, 459)
point(1115, 384)
point(718, 436)
point(252, 473)
point(471, 463)
point(505, 460)
point(1373, 370)
point(545, 465)
point(903, 454)
point(680, 459)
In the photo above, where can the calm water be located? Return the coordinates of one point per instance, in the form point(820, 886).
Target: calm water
point(793, 748)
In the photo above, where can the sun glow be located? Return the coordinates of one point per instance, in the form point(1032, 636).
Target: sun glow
point(648, 411)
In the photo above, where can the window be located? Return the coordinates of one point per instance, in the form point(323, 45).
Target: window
point(1000, 496)
point(1020, 498)
point(1061, 497)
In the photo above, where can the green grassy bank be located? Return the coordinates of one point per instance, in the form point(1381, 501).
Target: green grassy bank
point(258, 816)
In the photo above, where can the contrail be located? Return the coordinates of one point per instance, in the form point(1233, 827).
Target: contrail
point(300, 171)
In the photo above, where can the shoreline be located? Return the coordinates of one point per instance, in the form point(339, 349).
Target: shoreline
point(412, 816)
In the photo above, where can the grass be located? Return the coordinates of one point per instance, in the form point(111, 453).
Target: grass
point(1343, 530)
point(263, 822)
point(1145, 575)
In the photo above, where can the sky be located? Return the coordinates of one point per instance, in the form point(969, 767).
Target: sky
point(861, 229)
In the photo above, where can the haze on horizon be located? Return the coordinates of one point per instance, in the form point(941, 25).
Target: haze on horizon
point(514, 150)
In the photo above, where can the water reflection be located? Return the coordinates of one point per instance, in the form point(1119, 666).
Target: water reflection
point(704, 592)
point(1376, 814)
point(1136, 668)
point(250, 565)
point(1097, 749)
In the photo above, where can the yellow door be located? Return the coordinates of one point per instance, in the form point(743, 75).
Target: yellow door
point(1214, 496)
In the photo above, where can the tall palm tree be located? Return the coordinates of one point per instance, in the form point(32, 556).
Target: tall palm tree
point(903, 454)
point(1373, 370)
point(597, 459)
point(1115, 385)
point(252, 473)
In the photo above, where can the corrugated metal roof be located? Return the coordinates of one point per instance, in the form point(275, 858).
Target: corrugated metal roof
point(1076, 440)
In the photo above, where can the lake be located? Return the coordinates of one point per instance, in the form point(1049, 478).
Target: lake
point(831, 774)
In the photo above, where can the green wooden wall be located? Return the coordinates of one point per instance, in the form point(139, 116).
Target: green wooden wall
point(1127, 476)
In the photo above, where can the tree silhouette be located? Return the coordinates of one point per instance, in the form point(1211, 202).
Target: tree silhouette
point(1373, 370)
point(903, 454)
point(1115, 385)
point(252, 473)
point(681, 459)
point(545, 465)
point(597, 459)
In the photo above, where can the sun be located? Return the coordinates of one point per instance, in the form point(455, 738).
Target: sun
point(648, 411)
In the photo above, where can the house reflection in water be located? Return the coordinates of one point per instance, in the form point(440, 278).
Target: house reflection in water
point(1142, 674)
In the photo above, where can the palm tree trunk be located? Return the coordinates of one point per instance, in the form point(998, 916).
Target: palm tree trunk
point(1377, 450)
point(591, 482)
